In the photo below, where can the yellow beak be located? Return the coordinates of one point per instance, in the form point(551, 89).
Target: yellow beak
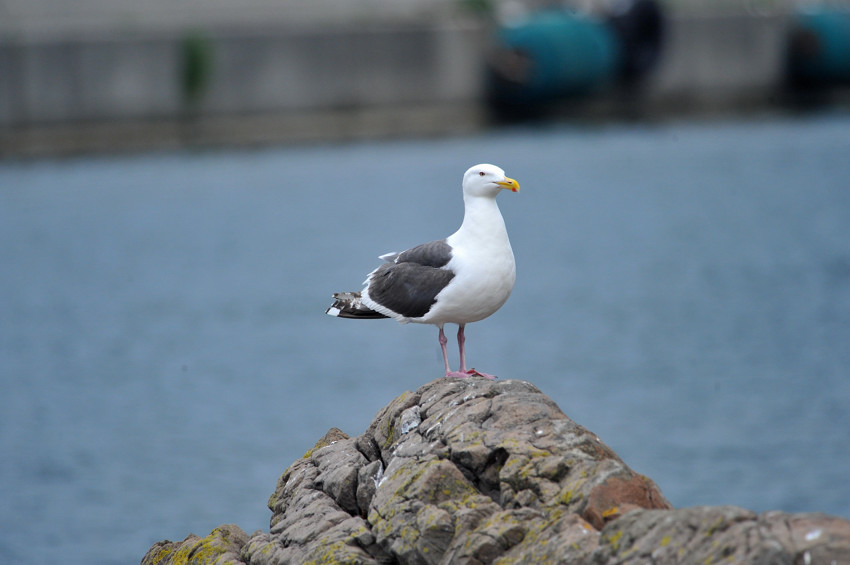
point(509, 183)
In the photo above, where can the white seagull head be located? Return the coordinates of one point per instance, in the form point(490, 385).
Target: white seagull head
point(487, 180)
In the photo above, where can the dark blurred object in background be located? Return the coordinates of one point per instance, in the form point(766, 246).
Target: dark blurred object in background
point(553, 54)
point(819, 48)
point(639, 24)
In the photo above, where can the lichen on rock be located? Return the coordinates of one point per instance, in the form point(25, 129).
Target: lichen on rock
point(222, 546)
point(476, 471)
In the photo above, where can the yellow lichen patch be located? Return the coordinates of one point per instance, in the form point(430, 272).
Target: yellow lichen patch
point(473, 435)
point(193, 549)
point(334, 435)
point(514, 460)
point(718, 525)
point(469, 501)
point(266, 550)
point(409, 534)
point(447, 483)
point(209, 549)
point(501, 520)
point(665, 541)
point(389, 432)
point(521, 449)
point(540, 545)
point(409, 478)
point(613, 511)
point(181, 556)
point(614, 540)
point(163, 555)
point(332, 553)
point(570, 492)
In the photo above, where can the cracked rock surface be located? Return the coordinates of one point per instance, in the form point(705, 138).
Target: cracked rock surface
point(475, 471)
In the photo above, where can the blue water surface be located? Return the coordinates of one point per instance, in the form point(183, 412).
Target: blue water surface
point(683, 291)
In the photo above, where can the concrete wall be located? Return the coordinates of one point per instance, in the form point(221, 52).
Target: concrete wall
point(304, 70)
point(283, 83)
point(721, 58)
point(56, 81)
point(273, 70)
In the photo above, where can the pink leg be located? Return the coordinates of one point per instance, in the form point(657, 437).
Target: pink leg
point(449, 372)
point(443, 342)
point(461, 340)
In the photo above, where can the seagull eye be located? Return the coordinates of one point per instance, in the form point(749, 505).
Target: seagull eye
point(481, 174)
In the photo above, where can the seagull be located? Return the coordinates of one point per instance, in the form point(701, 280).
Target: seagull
point(461, 279)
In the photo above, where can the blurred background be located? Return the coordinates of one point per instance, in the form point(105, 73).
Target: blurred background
point(103, 75)
point(183, 185)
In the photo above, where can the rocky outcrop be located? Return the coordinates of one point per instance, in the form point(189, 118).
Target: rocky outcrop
point(474, 471)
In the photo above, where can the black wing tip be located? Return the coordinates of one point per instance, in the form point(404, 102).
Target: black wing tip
point(347, 305)
point(356, 315)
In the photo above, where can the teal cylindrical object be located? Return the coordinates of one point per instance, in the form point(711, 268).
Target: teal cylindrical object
point(553, 54)
point(819, 46)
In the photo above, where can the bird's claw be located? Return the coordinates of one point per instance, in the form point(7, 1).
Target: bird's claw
point(488, 376)
point(469, 373)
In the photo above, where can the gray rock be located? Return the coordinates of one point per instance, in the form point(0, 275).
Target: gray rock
point(410, 419)
point(475, 471)
point(223, 547)
point(368, 478)
point(724, 534)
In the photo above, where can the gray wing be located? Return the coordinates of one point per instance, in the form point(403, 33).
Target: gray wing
point(408, 288)
point(432, 254)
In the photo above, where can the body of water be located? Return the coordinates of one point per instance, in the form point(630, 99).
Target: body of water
point(683, 291)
